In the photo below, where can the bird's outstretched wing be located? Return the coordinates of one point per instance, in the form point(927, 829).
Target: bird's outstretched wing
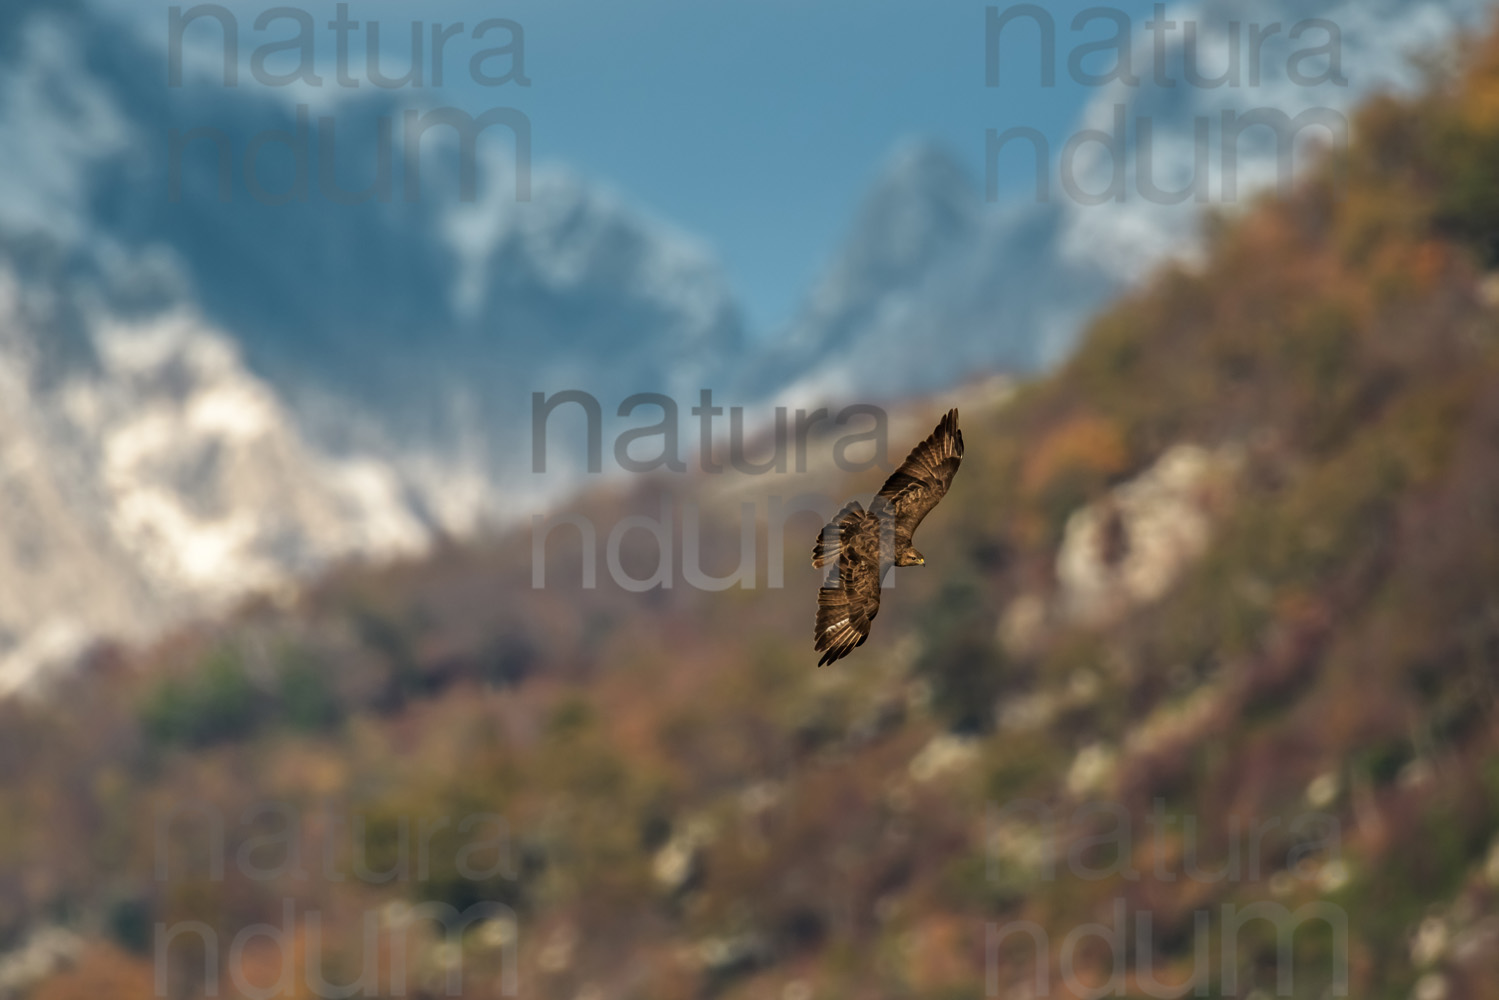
point(924, 477)
point(846, 606)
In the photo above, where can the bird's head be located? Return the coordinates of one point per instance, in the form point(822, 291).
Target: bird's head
point(910, 557)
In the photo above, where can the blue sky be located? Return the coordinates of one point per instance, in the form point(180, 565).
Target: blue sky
point(759, 125)
point(755, 125)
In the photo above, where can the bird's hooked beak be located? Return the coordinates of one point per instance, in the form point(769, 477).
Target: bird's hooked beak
point(921, 560)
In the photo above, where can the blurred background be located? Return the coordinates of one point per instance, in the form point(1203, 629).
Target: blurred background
point(416, 421)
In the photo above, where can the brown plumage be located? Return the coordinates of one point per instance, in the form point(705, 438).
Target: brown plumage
point(866, 543)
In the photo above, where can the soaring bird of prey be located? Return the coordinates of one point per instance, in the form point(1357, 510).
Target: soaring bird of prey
point(866, 543)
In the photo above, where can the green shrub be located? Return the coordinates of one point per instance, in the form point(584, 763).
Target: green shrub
point(217, 703)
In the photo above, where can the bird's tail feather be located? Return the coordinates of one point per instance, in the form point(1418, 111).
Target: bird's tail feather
point(829, 543)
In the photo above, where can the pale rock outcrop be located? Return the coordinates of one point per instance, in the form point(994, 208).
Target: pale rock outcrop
point(1128, 548)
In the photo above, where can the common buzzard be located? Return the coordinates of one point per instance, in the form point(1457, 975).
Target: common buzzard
point(866, 543)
